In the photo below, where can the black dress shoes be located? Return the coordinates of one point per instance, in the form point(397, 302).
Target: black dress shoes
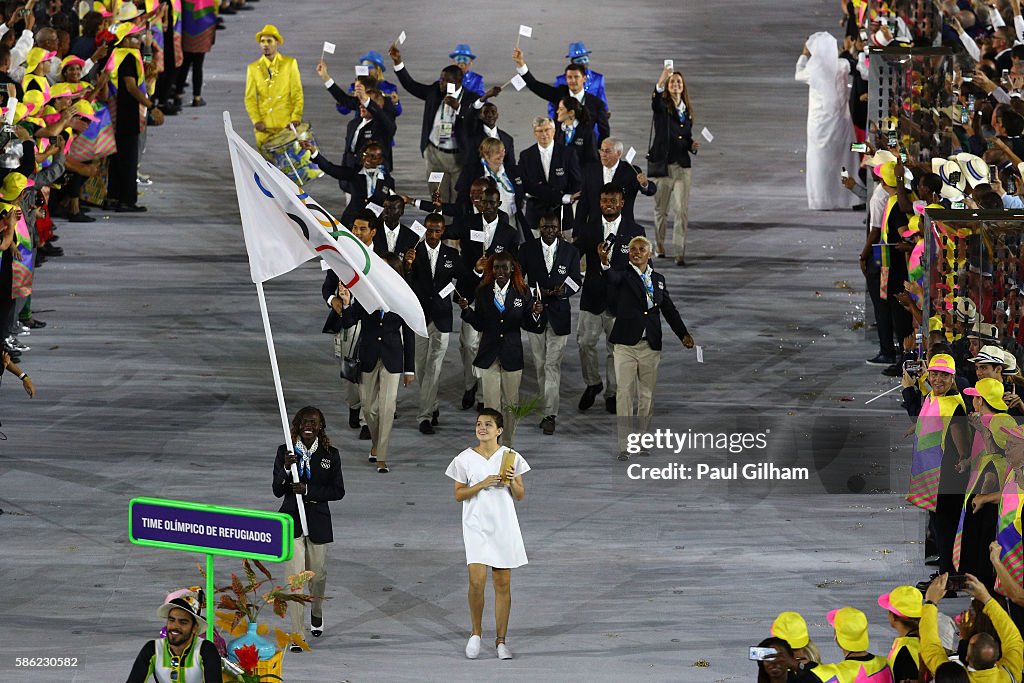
point(589, 394)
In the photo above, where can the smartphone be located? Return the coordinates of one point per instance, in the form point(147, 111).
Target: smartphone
point(892, 138)
point(993, 174)
point(1005, 77)
point(903, 157)
point(958, 205)
point(956, 582)
point(863, 35)
point(968, 78)
point(861, 147)
point(1011, 184)
point(844, 173)
point(970, 103)
point(760, 654)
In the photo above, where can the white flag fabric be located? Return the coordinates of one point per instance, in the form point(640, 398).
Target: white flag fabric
point(284, 227)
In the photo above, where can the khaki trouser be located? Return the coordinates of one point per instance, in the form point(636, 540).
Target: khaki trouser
point(469, 344)
point(345, 344)
point(500, 389)
point(636, 367)
point(548, 349)
point(378, 389)
point(430, 351)
point(311, 556)
point(673, 192)
point(587, 334)
point(443, 162)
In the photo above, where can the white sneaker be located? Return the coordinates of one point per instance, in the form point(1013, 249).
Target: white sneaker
point(504, 652)
point(473, 647)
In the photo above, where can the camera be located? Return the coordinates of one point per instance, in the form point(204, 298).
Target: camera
point(913, 367)
point(760, 654)
point(956, 582)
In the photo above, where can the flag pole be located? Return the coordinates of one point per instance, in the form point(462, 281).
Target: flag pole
point(280, 401)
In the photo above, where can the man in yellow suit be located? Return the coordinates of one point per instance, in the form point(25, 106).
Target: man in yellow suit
point(273, 90)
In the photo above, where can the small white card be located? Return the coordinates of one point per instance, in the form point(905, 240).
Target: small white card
point(477, 235)
point(436, 177)
point(329, 48)
point(700, 354)
point(376, 208)
point(706, 134)
point(451, 88)
point(446, 290)
point(525, 31)
point(323, 265)
point(518, 82)
point(362, 70)
point(401, 37)
point(630, 155)
point(571, 284)
point(668, 64)
point(419, 229)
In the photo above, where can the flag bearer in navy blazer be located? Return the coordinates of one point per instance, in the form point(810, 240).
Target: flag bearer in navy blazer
point(479, 236)
point(320, 481)
point(503, 307)
point(641, 300)
point(551, 266)
point(432, 269)
point(387, 356)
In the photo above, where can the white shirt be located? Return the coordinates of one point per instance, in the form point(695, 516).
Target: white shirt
point(611, 228)
point(363, 123)
point(489, 230)
point(549, 254)
point(609, 173)
point(373, 176)
point(645, 277)
point(545, 158)
point(447, 115)
point(391, 234)
point(432, 256)
point(578, 96)
point(500, 292)
point(491, 132)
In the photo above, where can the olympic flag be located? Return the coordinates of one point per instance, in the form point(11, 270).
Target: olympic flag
point(284, 227)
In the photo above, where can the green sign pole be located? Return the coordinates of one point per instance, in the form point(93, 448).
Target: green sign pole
point(210, 614)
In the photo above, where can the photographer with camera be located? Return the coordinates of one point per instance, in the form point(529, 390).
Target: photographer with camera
point(989, 659)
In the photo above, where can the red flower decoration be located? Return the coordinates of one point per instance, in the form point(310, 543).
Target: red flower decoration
point(248, 658)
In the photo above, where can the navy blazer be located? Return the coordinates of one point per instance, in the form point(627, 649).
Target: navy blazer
point(594, 105)
point(432, 99)
point(479, 136)
point(356, 186)
point(589, 206)
point(506, 239)
point(324, 484)
point(633, 319)
point(386, 338)
point(436, 309)
point(407, 240)
point(546, 193)
point(583, 143)
point(501, 337)
point(382, 126)
point(595, 297)
point(566, 265)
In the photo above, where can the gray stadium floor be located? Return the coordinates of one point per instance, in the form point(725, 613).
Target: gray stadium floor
point(153, 380)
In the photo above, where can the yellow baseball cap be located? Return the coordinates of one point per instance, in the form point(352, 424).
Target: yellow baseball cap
point(792, 628)
point(851, 628)
point(903, 601)
point(942, 362)
point(989, 389)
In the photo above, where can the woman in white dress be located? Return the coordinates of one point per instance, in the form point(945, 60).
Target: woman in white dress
point(829, 125)
point(490, 527)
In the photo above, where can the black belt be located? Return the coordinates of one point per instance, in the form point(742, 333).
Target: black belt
point(442, 149)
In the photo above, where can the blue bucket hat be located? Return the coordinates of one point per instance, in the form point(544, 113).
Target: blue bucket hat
point(462, 50)
point(374, 57)
point(577, 50)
